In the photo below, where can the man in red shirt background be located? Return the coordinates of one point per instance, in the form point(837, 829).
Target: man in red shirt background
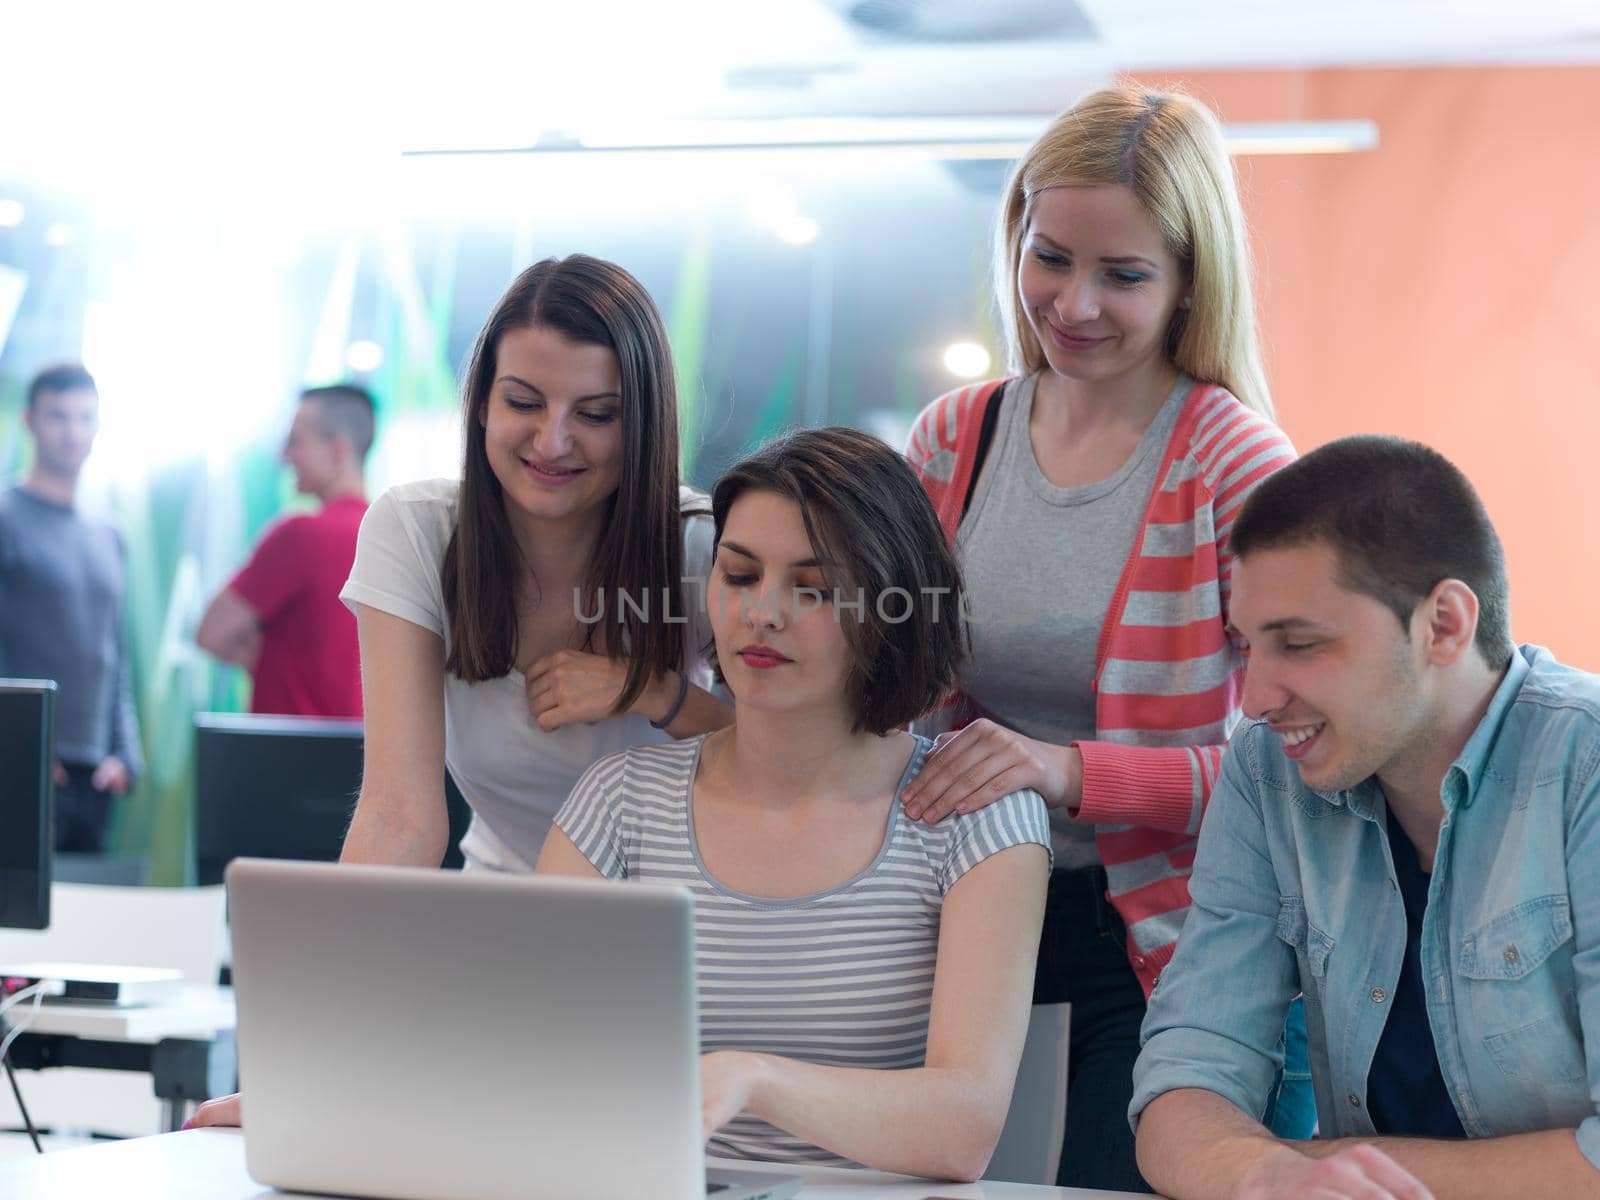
point(280, 617)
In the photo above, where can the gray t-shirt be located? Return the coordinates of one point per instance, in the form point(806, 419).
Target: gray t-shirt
point(1041, 564)
point(62, 582)
point(841, 978)
point(513, 774)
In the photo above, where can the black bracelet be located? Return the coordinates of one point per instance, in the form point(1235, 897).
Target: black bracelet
point(677, 705)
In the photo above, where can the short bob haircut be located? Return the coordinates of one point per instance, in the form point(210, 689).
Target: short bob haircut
point(1168, 150)
point(641, 548)
point(872, 525)
point(1401, 519)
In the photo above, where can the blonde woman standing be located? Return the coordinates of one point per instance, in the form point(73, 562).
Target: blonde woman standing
point(1089, 499)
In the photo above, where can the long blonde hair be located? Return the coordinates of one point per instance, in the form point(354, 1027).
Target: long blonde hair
point(1168, 150)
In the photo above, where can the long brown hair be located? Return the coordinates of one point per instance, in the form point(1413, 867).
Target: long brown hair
point(640, 550)
point(1167, 148)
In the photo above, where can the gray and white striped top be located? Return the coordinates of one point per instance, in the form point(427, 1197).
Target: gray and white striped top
point(840, 978)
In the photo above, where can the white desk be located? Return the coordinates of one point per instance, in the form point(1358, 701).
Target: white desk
point(186, 1047)
point(199, 1012)
point(208, 1164)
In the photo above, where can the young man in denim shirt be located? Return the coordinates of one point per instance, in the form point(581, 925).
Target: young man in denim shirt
point(1409, 833)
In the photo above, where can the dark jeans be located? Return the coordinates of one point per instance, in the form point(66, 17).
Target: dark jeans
point(1083, 960)
point(82, 812)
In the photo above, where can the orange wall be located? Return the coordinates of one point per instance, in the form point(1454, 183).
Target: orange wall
point(1446, 287)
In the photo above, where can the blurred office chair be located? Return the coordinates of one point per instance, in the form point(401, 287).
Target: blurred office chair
point(1029, 1150)
point(283, 787)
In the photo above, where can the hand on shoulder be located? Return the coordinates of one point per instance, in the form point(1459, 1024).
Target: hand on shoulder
point(975, 766)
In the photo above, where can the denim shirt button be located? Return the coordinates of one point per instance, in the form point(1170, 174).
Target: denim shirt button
point(1355, 1101)
point(1512, 955)
point(1379, 995)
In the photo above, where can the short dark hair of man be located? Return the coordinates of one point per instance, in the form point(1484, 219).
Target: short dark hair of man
point(347, 410)
point(897, 588)
point(62, 377)
point(1401, 518)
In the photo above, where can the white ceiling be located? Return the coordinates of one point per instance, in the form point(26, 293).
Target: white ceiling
point(813, 60)
point(98, 90)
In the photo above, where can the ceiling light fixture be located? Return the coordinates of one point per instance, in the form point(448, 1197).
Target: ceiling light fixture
point(798, 230)
point(966, 360)
point(363, 357)
point(938, 137)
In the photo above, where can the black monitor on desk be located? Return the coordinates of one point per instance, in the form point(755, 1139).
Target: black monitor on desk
point(282, 787)
point(27, 801)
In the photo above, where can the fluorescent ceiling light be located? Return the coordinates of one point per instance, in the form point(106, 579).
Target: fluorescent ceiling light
point(1301, 137)
point(938, 137)
point(966, 360)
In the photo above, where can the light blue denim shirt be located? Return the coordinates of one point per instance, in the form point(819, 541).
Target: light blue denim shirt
point(1294, 890)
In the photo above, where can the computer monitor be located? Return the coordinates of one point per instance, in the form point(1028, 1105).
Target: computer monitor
point(27, 801)
point(282, 787)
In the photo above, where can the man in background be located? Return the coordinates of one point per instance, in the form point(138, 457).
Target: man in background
point(63, 579)
point(280, 617)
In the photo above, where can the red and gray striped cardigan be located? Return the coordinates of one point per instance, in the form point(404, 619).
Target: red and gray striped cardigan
point(1167, 678)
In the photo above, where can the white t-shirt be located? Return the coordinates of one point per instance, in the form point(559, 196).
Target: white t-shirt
point(513, 774)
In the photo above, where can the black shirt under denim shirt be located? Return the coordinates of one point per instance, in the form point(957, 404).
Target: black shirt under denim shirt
point(1406, 1095)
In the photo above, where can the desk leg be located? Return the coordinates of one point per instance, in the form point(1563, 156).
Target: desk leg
point(184, 1070)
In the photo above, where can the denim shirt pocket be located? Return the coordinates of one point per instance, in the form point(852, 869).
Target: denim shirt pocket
point(1520, 991)
point(1311, 945)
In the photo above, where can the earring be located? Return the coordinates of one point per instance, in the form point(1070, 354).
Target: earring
point(1184, 303)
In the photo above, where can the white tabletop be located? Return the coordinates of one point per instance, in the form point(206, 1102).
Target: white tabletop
point(199, 1012)
point(208, 1164)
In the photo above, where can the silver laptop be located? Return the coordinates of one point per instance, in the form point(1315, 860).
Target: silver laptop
point(431, 1035)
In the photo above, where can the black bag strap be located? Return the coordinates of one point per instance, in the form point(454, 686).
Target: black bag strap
point(991, 420)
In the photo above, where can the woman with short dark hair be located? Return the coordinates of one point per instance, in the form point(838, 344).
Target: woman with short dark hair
point(864, 978)
point(888, 570)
